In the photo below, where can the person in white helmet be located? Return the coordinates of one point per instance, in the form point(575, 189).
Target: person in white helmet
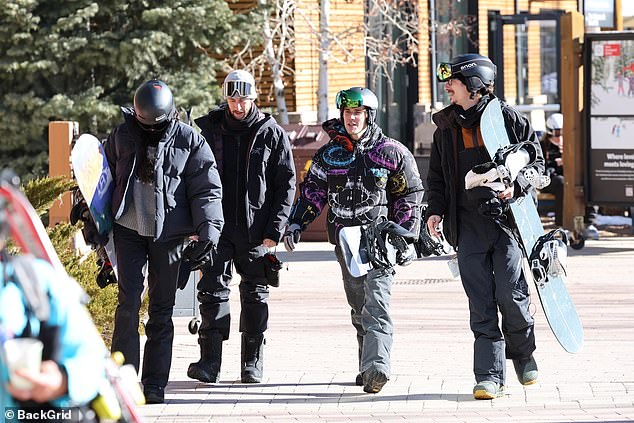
point(256, 167)
point(553, 147)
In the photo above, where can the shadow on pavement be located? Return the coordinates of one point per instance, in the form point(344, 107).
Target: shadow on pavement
point(590, 250)
point(276, 396)
point(287, 257)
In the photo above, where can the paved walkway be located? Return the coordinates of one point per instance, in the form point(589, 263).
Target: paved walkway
point(311, 352)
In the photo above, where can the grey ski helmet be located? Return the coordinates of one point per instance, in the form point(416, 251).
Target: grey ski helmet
point(153, 104)
point(474, 70)
point(239, 83)
point(357, 97)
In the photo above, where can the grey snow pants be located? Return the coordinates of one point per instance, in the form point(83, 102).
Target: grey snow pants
point(369, 300)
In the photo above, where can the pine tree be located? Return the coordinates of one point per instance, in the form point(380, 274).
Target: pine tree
point(81, 59)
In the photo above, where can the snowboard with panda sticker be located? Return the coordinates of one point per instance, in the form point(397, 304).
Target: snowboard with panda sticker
point(558, 307)
point(95, 182)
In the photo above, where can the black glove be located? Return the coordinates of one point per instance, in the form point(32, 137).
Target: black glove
point(106, 274)
point(199, 254)
point(272, 267)
point(81, 212)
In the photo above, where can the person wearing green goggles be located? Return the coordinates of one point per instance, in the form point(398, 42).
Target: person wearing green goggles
point(364, 177)
point(358, 110)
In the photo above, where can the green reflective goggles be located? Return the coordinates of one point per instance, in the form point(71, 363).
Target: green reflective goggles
point(350, 99)
point(444, 72)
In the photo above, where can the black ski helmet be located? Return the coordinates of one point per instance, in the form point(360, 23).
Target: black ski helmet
point(153, 103)
point(474, 70)
point(357, 97)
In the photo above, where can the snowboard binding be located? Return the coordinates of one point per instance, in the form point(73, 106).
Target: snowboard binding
point(509, 164)
point(389, 244)
point(548, 258)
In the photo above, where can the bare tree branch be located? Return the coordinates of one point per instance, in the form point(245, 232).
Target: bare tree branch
point(390, 34)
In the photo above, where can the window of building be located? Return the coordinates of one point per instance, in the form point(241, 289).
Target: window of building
point(454, 32)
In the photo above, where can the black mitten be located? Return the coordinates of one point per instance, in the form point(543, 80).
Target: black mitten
point(199, 254)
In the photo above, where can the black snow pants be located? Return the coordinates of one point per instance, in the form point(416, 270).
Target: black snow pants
point(490, 262)
point(235, 249)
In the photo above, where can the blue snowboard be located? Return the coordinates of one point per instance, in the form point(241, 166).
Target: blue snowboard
point(96, 185)
point(556, 302)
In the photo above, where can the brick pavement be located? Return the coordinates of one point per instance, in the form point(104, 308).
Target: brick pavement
point(311, 353)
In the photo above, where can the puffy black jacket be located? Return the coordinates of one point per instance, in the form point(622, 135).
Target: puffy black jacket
point(270, 172)
point(187, 185)
point(443, 168)
point(360, 181)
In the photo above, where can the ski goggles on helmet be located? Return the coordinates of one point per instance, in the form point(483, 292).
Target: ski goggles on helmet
point(444, 72)
point(349, 99)
point(238, 89)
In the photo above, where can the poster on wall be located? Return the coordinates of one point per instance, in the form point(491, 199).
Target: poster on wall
point(612, 156)
point(610, 121)
point(612, 88)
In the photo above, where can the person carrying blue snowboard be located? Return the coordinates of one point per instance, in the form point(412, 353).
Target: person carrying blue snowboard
point(477, 223)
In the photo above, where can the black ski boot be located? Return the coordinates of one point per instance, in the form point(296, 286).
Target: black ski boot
point(207, 369)
point(252, 358)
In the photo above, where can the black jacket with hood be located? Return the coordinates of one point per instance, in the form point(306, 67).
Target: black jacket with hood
point(270, 172)
point(187, 185)
point(443, 166)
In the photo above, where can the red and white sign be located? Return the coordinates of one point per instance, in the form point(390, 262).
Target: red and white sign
point(611, 50)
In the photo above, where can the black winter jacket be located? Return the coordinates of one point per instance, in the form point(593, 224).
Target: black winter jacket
point(360, 181)
point(187, 185)
point(270, 173)
point(443, 167)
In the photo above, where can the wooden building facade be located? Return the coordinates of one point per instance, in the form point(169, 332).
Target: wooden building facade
point(446, 29)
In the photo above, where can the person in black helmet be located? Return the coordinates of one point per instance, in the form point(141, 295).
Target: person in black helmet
point(364, 177)
point(167, 189)
point(258, 177)
point(489, 255)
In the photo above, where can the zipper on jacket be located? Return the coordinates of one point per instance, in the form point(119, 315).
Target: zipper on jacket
point(125, 192)
point(354, 184)
point(238, 179)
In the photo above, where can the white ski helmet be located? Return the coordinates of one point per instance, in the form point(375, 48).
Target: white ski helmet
point(554, 122)
point(239, 84)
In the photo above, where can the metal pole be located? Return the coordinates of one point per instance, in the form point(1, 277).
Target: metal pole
point(432, 51)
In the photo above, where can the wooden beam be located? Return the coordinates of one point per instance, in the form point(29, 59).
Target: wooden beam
point(60, 136)
point(618, 14)
point(572, 32)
